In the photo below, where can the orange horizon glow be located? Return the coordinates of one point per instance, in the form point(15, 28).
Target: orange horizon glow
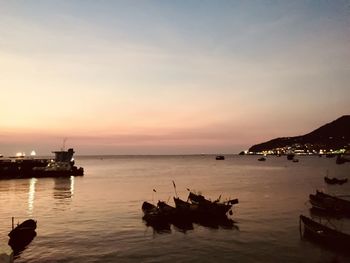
point(132, 79)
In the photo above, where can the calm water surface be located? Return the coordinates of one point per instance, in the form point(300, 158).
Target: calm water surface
point(97, 218)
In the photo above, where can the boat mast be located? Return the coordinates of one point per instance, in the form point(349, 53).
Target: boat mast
point(64, 144)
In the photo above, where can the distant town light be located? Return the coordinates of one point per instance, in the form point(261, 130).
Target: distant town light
point(33, 153)
point(20, 154)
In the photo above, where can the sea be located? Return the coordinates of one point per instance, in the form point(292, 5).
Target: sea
point(98, 217)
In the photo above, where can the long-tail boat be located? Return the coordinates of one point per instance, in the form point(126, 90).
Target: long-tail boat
point(334, 180)
point(323, 234)
point(330, 203)
point(22, 235)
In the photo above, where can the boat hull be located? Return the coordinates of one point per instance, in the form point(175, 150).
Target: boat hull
point(22, 235)
point(324, 235)
point(19, 173)
point(335, 180)
point(330, 204)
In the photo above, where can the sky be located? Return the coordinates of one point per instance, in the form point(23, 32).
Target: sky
point(169, 77)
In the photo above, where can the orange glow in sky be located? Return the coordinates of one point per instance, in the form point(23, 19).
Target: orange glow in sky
point(171, 78)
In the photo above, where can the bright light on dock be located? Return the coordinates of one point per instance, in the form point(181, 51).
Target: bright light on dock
point(20, 154)
point(33, 153)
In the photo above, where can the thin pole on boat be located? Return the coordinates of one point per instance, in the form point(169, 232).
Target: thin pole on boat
point(13, 224)
point(175, 189)
point(188, 195)
point(154, 191)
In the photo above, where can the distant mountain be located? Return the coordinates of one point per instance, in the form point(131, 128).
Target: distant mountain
point(333, 135)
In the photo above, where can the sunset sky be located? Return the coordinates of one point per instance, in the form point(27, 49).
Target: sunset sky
point(169, 77)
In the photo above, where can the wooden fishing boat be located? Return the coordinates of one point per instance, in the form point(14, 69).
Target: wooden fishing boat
point(155, 218)
point(181, 204)
point(323, 234)
point(201, 215)
point(187, 209)
point(166, 210)
point(180, 218)
point(197, 209)
point(22, 235)
point(160, 217)
point(148, 207)
point(334, 180)
point(329, 203)
point(25, 227)
point(215, 207)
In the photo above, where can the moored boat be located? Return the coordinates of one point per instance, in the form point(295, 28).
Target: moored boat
point(342, 159)
point(197, 209)
point(155, 218)
point(216, 207)
point(22, 235)
point(148, 207)
point(330, 204)
point(290, 156)
point(203, 215)
point(323, 234)
point(178, 217)
point(334, 180)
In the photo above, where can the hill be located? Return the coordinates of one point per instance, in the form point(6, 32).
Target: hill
point(333, 135)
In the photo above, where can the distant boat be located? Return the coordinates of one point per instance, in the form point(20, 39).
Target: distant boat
point(334, 180)
point(295, 160)
point(290, 156)
point(330, 155)
point(342, 159)
point(220, 157)
point(261, 159)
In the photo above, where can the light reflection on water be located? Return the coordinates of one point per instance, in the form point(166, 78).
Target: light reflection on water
point(31, 195)
point(102, 223)
point(63, 188)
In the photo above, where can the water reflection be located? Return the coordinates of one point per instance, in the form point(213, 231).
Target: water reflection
point(31, 195)
point(163, 225)
point(63, 189)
